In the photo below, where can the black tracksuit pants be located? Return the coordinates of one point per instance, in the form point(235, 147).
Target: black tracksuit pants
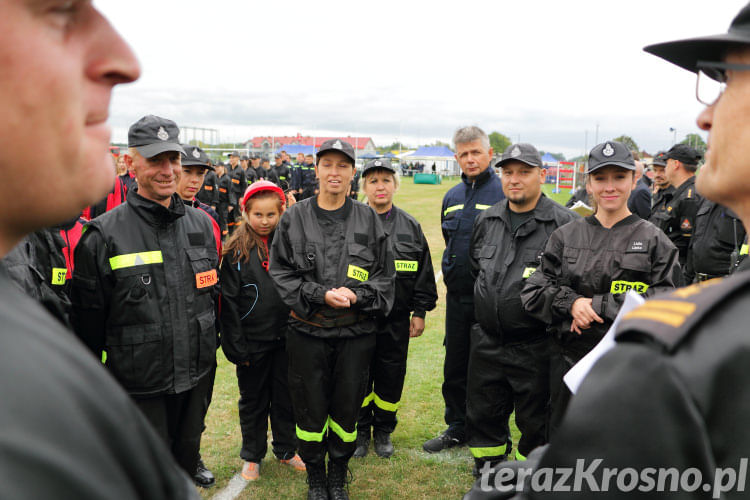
point(459, 317)
point(563, 355)
point(327, 383)
point(387, 374)
point(264, 390)
point(501, 377)
point(178, 419)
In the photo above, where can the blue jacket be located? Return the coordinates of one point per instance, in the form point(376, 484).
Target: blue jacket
point(461, 205)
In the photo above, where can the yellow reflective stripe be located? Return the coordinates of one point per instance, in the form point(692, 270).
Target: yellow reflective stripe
point(347, 437)
point(407, 265)
point(452, 209)
point(312, 436)
point(743, 250)
point(385, 405)
point(135, 259)
point(357, 273)
point(519, 457)
point(479, 206)
point(368, 399)
point(624, 286)
point(104, 357)
point(492, 451)
point(528, 272)
point(670, 312)
point(58, 275)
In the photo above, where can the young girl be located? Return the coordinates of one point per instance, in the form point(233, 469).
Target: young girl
point(589, 264)
point(253, 321)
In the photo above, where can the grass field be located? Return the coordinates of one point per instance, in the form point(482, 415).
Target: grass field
point(410, 473)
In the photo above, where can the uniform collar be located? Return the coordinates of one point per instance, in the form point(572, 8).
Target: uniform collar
point(155, 213)
point(689, 183)
point(543, 211)
point(481, 178)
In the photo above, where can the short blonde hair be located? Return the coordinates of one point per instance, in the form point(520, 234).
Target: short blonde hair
point(396, 178)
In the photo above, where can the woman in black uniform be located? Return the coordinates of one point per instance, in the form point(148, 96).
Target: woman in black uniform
point(590, 263)
point(416, 293)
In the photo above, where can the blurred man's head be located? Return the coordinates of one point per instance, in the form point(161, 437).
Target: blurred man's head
point(58, 68)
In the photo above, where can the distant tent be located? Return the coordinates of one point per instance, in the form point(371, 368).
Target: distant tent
point(433, 152)
point(295, 149)
point(548, 158)
point(369, 156)
point(441, 156)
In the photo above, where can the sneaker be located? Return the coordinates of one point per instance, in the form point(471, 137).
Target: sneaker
point(203, 477)
point(295, 463)
point(383, 445)
point(363, 444)
point(251, 471)
point(444, 441)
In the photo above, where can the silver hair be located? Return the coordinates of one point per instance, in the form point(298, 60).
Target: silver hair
point(470, 134)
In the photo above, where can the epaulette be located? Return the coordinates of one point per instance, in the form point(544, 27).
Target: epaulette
point(669, 318)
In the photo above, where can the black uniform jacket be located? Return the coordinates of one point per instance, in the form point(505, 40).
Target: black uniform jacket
point(415, 278)
point(64, 414)
point(502, 261)
point(252, 312)
point(209, 191)
point(237, 186)
point(283, 176)
point(304, 266)
point(143, 290)
point(716, 244)
point(584, 259)
point(674, 380)
point(677, 219)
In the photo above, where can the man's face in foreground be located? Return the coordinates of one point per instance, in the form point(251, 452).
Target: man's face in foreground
point(60, 61)
point(725, 177)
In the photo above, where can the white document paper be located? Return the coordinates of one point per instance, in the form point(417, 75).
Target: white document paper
point(575, 375)
point(582, 209)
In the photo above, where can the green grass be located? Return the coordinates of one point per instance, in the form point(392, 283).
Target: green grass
point(410, 473)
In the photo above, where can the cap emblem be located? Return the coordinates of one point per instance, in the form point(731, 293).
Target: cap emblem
point(378, 163)
point(196, 154)
point(162, 134)
point(516, 152)
point(337, 145)
point(608, 150)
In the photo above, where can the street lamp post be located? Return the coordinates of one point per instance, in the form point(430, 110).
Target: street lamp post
point(674, 137)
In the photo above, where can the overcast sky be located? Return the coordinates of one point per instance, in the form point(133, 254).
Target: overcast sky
point(544, 71)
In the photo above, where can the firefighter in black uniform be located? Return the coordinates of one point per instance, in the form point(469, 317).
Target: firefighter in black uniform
point(662, 190)
point(716, 243)
point(283, 174)
point(222, 197)
point(250, 175)
point(671, 380)
point(416, 293)
point(677, 220)
point(590, 263)
point(479, 190)
point(143, 293)
point(237, 187)
point(332, 266)
point(308, 182)
point(268, 173)
point(509, 358)
point(209, 191)
point(68, 430)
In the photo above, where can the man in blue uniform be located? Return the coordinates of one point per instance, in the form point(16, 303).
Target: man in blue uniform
point(480, 188)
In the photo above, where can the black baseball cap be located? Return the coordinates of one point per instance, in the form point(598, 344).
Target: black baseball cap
point(684, 153)
point(338, 145)
point(523, 152)
point(194, 156)
point(690, 52)
point(234, 153)
point(610, 153)
point(660, 159)
point(244, 158)
point(384, 164)
point(153, 135)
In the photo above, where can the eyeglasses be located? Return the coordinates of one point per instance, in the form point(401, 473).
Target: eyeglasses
point(712, 80)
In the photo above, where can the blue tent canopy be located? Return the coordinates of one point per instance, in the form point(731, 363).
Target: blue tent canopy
point(389, 155)
point(433, 151)
point(294, 149)
point(548, 158)
point(369, 156)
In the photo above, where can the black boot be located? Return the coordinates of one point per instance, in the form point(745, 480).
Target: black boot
point(383, 445)
point(363, 443)
point(203, 477)
point(337, 480)
point(317, 486)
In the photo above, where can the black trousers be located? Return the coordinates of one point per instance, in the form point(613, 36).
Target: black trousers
point(178, 419)
point(502, 377)
point(387, 374)
point(264, 390)
point(459, 317)
point(563, 355)
point(327, 383)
